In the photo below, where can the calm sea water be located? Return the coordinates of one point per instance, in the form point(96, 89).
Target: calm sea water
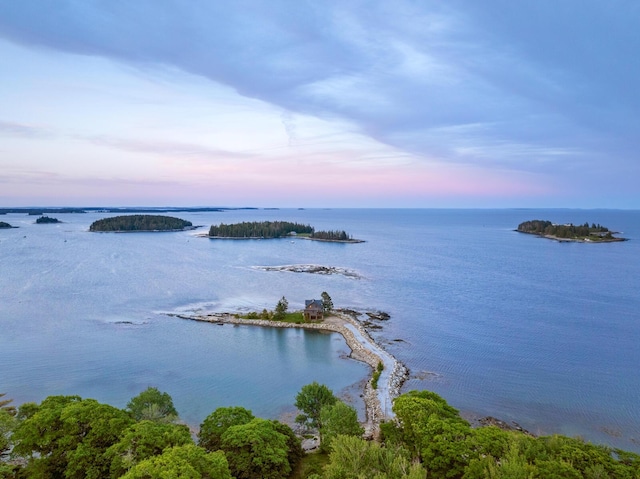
point(498, 323)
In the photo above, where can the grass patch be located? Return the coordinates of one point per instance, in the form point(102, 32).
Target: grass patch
point(312, 463)
point(376, 375)
point(295, 317)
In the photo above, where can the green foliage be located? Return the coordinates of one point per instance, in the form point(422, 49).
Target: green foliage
point(69, 436)
point(281, 309)
point(327, 303)
point(7, 424)
point(140, 223)
point(331, 235)
point(443, 446)
point(182, 462)
point(142, 441)
point(216, 424)
point(5, 405)
point(413, 411)
point(294, 446)
point(310, 400)
point(256, 450)
point(46, 220)
point(311, 465)
point(264, 229)
point(354, 458)
point(376, 375)
point(338, 419)
point(152, 405)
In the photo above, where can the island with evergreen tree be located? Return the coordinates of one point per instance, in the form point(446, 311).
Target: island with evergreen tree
point(594, 233)
point(132, 223)
point(276, 229)
point(44, 220)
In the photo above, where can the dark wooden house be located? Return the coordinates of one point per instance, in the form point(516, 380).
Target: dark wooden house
point(313, 310)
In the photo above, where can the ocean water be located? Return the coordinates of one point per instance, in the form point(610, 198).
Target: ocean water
point(499, 323)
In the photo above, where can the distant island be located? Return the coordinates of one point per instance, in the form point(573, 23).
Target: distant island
point(5, 225)
point(43, 220)
point(276, 229)
point(595, 233)
point(132, 223)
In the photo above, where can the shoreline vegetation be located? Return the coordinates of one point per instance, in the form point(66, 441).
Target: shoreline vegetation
point(387, 373)
point(43, 220)
point(135, 223)
point(585, 233)
point(276, 229)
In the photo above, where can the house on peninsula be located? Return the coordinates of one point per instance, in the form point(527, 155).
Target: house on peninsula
point(313, 310)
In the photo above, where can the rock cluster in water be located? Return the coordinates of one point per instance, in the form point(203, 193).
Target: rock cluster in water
point(313, 269)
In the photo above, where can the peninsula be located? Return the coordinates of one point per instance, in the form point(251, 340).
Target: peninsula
point(130, 223)
point(595, 233)
point(276, 229)
point(388, 374)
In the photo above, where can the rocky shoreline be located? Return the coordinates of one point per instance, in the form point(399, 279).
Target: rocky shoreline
point(363, 348)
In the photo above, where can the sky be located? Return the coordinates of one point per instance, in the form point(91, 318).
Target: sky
point(324, 103)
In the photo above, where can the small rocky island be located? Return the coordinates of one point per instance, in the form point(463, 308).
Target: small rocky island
point(276, 229)
point(5, 225)
point(312, 268)
point(594, 233)
point(131, 223)
point(44, 220)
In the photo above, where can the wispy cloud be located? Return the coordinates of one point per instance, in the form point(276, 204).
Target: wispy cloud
point(22, 130)
point(165, 148)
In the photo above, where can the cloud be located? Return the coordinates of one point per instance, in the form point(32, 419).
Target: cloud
point(533, 86)
point(165, 148)
point(22, 130)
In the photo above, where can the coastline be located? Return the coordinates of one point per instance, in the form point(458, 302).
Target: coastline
point(378, 401)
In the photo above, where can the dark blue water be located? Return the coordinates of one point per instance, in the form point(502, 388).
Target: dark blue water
point(499, 323)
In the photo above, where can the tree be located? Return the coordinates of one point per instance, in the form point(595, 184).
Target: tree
point(413, 411)
point(310, 400)
point(153, 405)
point(338, 419)
point(327, 304)
point(293, 443)
point(354, 458)
point(256, 450)
point(182, 462)
point(4, 405)
point(68, 436)
point(216, 424)
point(143, 440)
point(281, 309)
point(7, 425)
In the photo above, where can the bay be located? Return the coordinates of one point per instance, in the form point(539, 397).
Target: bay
point(499, 323)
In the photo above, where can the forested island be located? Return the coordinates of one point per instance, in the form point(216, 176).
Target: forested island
point(5, 225)
point(140, 223)
point(72, 437)
point(275, 229)
point(594, 233)
point(43, 220)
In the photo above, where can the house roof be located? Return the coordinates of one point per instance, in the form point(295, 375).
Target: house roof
point(313, 304)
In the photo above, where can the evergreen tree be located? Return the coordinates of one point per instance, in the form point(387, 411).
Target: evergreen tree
point(327, 303)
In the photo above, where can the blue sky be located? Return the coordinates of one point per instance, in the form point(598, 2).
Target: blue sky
point(397, 103)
